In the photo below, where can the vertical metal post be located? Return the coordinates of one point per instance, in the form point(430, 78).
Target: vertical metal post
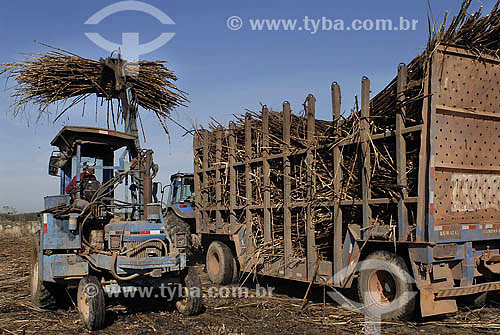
point(403, 228)
point(232, 176)
point(266, 176)
point(311, 180)
point(248, 185)
point(218, 186)
point(431, 168)
point(78, 163)
point(422, 160)
point(338, 259)
point(287, 188)
point(365, 153)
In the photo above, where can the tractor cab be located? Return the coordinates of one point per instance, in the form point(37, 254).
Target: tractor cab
point(89, 238)
point(85, 160)
point(181, 195)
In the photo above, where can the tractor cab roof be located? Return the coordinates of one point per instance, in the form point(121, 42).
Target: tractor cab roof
point(180, 174)
point(93, 141)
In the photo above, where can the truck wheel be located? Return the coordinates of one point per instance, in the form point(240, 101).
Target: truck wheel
point(91, 303)
point(385, 287)
point(220, 263)
point(191, 301)
point(42, 293)
point(176, 225)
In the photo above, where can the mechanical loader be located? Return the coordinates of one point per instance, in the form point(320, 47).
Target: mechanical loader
point(101, 244)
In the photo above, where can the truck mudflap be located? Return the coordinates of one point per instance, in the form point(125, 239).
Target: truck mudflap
point(430, 306)
point(442, 301)
point(437, 269)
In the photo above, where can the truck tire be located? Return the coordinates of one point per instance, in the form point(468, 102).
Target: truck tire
point(191, 301)
point(43, 294)
point(220, 263)
point(385, 287)
point(177, 225)
point(91, 303)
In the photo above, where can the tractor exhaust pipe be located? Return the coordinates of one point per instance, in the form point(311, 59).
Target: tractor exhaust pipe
point(148, 181)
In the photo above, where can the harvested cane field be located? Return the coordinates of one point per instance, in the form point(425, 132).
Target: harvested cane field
point(279, 313)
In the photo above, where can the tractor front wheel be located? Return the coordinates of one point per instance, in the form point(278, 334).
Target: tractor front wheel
point(190, 301)
point(91, 303)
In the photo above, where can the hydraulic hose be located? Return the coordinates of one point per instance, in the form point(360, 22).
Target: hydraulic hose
point(113, 272)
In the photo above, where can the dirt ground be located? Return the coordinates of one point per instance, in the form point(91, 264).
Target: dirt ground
point(279, 313)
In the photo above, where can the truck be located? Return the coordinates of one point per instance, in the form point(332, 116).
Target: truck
point(105, 245)
point(410, 180)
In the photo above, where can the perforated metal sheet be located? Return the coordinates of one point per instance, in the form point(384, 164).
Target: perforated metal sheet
point(466, 138)
point(463, 142)
point(466, 82)
point(463, 197)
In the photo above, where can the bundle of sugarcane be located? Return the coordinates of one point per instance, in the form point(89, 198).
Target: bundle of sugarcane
point(474, 32)
point(55, 76)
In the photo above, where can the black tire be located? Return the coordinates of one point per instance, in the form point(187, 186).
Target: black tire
point(386, 288)
point(220, 263)
point(191, 301)
point(91, 303)
point(177, 225)
point(43, 294)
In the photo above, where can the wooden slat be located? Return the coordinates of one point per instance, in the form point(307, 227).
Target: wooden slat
point(311, 180)
point(266, 177)
point(197, 183)
point(338, 259)
point(248, 185)
point(296, 204)
point(204, 198)
point(287, 188)
point(232, 176)
point(365, 153)
point(218, 187)
point(403, 228)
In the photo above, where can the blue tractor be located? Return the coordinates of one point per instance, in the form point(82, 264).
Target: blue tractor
point(178, 211)
point(102, 244)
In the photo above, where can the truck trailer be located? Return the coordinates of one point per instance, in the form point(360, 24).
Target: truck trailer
point(411, 179)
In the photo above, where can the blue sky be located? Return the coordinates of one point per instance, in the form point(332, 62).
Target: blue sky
point(223, 71)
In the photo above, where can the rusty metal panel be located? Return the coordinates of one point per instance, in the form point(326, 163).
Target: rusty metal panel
point(468, 81)
point(466, 138)
point(464, 197)
point(466, 142)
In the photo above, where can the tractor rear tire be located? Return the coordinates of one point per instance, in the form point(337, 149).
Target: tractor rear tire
point(91, 303)
point(176, 225)
point(43, 294)
point(191, 301)
point(220, 263)
point(385, 287)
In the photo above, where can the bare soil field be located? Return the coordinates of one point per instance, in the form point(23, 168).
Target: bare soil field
point(280, 313)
